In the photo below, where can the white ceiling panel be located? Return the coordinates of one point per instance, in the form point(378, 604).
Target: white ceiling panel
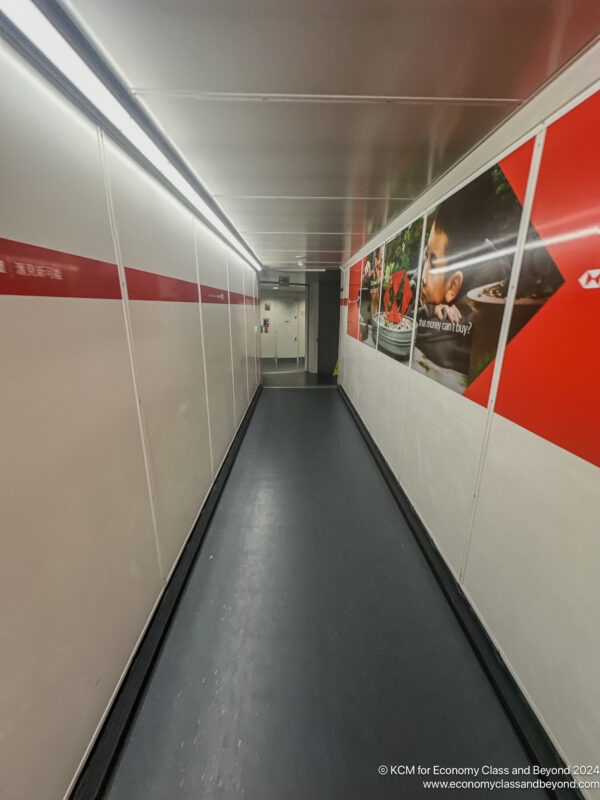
point(315, 122)
point(298, 244)
point(476, 48)
point(357, 150)
point(310, 215)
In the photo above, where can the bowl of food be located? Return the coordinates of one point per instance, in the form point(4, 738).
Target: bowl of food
point(489, 302)
point(393, 337)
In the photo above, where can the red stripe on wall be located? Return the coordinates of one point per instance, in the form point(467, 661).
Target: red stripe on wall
point(29, 270)
point(343, 301)
point(236, 298)
point(208, 294)
point(151, 286)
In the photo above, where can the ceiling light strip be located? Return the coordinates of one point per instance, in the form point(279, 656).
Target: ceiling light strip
point(75, 36)
point(58, 61)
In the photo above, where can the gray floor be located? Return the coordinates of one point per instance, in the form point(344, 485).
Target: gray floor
point(286, 373)
point(312, 643)
point(307, 380)
point(282, 365)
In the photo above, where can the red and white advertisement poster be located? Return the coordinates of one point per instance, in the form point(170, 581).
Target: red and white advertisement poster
point(399, 293)
point(354, 282)
point(370, 288)
point(550, 382)
point(469, 252)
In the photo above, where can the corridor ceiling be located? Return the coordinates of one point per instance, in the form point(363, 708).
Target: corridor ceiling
point(314, 122)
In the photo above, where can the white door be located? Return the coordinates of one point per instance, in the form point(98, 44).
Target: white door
point(302, 327)
point(268, 325)
point(287, 327)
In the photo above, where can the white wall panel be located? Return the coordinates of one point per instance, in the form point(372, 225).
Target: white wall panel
point(442, 441)
point(249, 323)
point(354, 364)
point(354, 375)
point(364, 381)
point(536, 533)
point(255, 329)
point(171, 383)
point(257, 322)
point(52, 195)
point(212, 272)
point(157, 235)
point(79, 573)
point(391, 389)
point(350, 367)
point(235, 268)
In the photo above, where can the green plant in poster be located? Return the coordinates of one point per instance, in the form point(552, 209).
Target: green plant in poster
point(401, 255)
point(403, 251)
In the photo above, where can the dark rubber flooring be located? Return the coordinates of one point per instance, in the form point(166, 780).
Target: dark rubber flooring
point(312, 644)
point(299, 379)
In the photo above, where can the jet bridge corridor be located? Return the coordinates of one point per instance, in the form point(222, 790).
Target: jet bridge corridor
point(299, 369)
point(312, 645)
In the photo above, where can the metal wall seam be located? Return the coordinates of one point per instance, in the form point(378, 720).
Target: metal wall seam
point(534, 168)
point(126, 313)
point(230, 340)
point(257, 342)
point(246, 336)
point(210, 446)
point(381, 444)
point(413, 338)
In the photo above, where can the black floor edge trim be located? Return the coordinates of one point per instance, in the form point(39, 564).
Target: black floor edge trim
point(97, 770)
point(529, 729)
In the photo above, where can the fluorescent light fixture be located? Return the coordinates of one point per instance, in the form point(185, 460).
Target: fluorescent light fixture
point(303, 269)
point(36, 27)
